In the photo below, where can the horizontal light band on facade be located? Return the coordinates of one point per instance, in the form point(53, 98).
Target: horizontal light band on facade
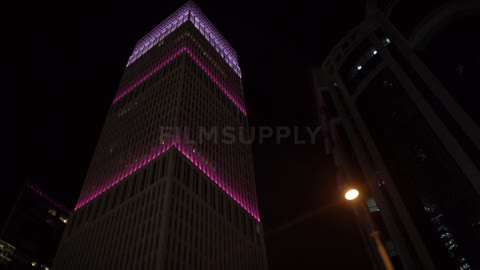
point(188, 12)
point(42, 194)
point(210, 74)
point(189, 154)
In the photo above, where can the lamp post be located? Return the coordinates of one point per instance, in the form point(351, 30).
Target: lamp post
point(353, 194)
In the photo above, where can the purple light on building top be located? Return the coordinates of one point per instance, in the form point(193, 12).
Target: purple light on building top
point(191, 12)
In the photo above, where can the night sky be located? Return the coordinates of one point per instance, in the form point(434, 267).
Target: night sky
point(70, 58)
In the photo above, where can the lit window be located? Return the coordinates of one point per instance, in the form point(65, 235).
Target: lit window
point(372, 205)
point(446, 235)
point(64, 219)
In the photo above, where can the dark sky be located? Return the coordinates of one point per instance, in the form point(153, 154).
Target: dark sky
point(70, 57)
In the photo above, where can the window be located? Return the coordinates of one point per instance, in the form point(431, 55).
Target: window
point(372, 205)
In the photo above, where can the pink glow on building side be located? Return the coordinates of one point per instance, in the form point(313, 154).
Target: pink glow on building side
point(210, 74)
point(189, 154)
point(42, 194)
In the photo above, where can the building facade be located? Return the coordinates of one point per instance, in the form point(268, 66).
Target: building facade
point(395, 100)
point(30, 236)
point(156, 198)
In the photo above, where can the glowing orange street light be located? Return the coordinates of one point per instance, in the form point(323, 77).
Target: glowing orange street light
point(351, 194)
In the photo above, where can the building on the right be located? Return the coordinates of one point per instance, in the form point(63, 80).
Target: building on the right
point(397, 100)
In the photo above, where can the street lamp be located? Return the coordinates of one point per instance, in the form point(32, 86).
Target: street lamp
point(351, 195)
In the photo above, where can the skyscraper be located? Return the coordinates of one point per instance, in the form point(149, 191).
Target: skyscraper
point(401, 121)
point(168, 200)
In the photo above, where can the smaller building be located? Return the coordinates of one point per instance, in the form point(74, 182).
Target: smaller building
point(33, 230)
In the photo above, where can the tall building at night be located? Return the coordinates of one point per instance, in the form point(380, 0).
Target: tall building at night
point(169, 200)
point(400, 116)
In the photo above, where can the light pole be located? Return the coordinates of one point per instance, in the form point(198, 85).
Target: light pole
point(353, 194)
